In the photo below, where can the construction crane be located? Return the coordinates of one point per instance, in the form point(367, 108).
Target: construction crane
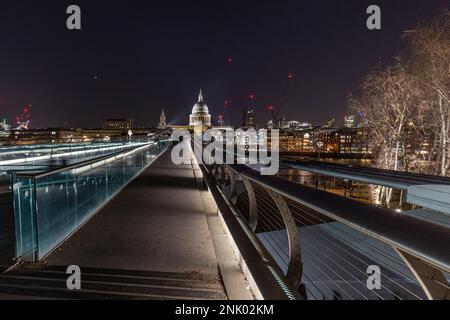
point(277, 117)
point(221, 116)
point(23, 120)
point(275, 121)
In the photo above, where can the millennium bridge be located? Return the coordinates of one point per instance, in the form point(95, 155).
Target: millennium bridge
point(139, 226)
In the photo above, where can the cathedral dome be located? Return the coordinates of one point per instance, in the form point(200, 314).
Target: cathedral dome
point(200, 107)
point(200, 113)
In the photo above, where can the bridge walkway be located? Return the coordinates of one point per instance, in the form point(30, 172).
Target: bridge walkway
point(155, 239)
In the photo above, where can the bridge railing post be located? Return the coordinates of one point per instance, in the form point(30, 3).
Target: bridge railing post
point(253, 209)
point(220, 171)
point(432, 280)
point(295, 265)
point(233, 191)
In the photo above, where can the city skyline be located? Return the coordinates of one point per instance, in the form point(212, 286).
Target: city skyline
point(135, 60)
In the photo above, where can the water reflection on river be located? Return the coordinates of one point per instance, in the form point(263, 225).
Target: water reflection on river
point(300, 176)
point(359, 191)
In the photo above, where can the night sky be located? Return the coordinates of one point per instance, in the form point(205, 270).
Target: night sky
point(135, 57)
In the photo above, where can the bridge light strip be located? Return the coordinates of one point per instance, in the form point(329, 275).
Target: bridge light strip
point(27, 150)
point(56, 156)
point(283, 285)
point(109, 160)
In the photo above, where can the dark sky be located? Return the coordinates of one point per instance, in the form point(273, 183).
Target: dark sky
point(152, 54)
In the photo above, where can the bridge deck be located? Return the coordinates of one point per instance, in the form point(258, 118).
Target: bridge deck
point(156, 223)
point(156, 231)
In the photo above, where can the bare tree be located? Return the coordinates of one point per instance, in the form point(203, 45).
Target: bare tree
point(430, 66)
point(405, 106)
point(387, 103)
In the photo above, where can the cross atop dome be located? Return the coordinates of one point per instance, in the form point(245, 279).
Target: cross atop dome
point(200, 96)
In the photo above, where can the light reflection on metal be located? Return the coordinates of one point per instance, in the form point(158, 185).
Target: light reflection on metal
point(253, 210)
point(232, 176)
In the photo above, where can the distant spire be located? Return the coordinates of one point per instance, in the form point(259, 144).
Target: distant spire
point(200, 96)
point(162, 120)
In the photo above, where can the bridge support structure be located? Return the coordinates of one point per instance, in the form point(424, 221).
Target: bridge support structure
point(432, 280)
point(295, 265)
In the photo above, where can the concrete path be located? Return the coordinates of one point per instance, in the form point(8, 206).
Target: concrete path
point(156, 223)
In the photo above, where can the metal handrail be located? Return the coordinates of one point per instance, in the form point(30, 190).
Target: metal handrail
point(388, 178)
point(40, 174)
point(422, 245)
point(78, 164)
point(419, 238)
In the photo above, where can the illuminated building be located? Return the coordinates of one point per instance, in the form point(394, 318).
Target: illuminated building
point(350, 122)
point(327, 140)
point(296, 141)
point(200, 113)
point(353, 141)
point(122, 123)
point(250, 119)
point(4, 125)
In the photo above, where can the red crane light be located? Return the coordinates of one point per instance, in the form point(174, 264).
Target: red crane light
point(252, 96)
